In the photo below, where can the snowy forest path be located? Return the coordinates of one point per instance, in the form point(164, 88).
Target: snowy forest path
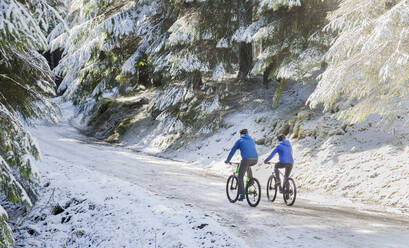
point(306, 224)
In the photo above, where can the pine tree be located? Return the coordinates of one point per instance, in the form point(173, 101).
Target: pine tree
point(26, 83)
point(110, 36)
point(191, 47)
point(156, 43)
point(172, 40)
point(291, 39)
point(367, 64)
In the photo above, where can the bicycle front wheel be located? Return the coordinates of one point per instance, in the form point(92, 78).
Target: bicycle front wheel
point(253, 192)
point(271, 188)
point(232, 189)
point(289, 192)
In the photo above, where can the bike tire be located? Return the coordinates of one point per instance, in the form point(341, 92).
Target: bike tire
point(253, 192)
point(232, 189)
point(289, 192)
point(271, 188)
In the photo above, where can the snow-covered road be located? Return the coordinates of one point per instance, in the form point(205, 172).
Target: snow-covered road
point(190, 192)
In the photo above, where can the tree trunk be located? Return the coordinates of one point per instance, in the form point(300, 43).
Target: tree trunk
point(195, 78)
point(266, 75)
point(245, 14)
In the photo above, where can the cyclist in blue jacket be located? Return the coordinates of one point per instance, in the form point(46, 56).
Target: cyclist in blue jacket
point(285, 153)
point(249, 158)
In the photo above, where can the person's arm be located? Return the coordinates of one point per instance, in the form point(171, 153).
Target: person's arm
point(271, 155)
point(233, 150)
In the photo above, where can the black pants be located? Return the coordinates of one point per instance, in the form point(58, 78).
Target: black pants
point(245, 166)
point(288, 168)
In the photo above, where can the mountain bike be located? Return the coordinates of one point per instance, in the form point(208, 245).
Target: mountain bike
point(252, 189)
point(289, 189)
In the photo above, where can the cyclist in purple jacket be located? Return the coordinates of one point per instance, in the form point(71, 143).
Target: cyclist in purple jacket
point(285, 153)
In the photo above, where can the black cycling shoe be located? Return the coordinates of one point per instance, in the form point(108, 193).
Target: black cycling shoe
point(241, 198)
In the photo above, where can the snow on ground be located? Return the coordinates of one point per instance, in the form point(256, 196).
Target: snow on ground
point(98, 210)
point(113, 197)
point(356, 169)
point(364, 164)
point(101, 211)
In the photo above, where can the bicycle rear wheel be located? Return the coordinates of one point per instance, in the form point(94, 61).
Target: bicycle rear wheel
point(253, 192)
point(232, 189)
point(289, 192)
point(271, 188)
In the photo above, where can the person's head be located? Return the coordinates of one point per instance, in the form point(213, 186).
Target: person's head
point(244, 131)
point(281, 137)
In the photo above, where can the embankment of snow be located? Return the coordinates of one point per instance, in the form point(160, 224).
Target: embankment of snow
point(366, 162)
point(361, 163)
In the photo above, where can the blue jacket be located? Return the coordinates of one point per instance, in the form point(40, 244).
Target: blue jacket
point(285, 152)
point(247, 148)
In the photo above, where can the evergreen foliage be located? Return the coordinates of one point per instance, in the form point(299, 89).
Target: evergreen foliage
point(367, 64)
point(357, 50)
point(113, 47)
point(112, 37)
point(291, 38)
point(6, 237)
point(25, 85)
point(186, 40)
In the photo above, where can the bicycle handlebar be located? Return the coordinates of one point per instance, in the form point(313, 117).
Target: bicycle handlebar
point(233, 163)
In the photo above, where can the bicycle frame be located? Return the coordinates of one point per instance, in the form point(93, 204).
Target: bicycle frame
point(236, 173)
point(281, 174)
point(287, 187)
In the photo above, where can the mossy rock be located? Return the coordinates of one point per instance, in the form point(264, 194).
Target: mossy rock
point(296, 130)
point(284, 128)
point(261, 141)
point(274, 124)
point(291, 124)
point(336, 132)
point(322, 133)
point(260, 119)
point(344, 127)
point(304, 115)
